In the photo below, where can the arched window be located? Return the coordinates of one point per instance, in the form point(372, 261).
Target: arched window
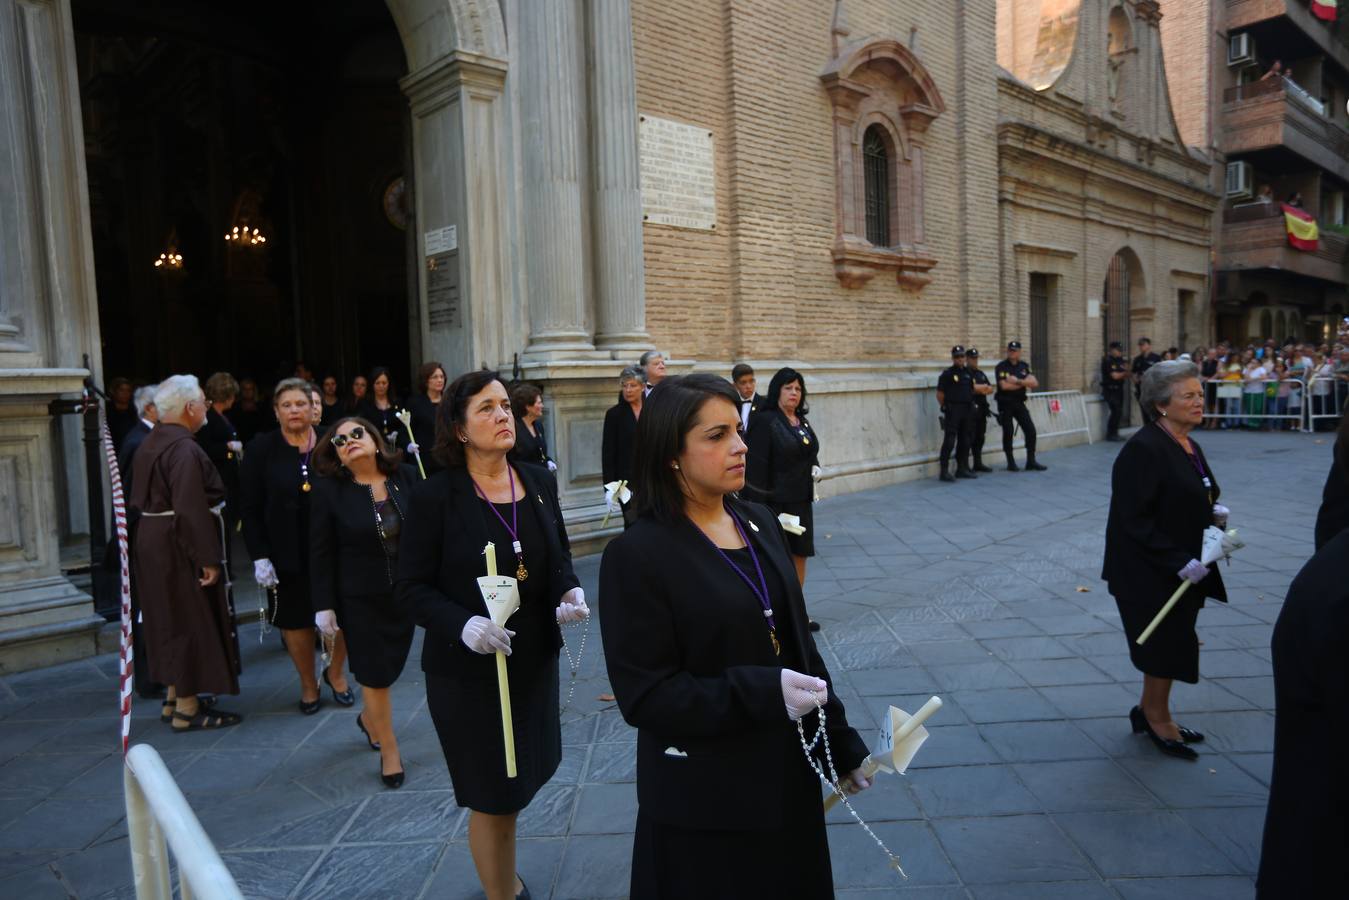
point(1266, 324)
point(1280, 326)
point(876, 171)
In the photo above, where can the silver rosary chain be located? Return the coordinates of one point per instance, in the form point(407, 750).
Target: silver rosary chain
point(574, 663)
point(831, 780)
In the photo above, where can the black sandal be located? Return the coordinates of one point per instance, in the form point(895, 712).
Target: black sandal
point(206, 720)
point(207, 702)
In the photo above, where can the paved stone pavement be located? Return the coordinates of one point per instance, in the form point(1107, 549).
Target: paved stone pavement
point(985, 593)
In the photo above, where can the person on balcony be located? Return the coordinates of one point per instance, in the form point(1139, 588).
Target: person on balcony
point(1275, 71)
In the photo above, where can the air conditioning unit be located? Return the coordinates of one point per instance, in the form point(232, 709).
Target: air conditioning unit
point(1241, 50)
point(1239, 177)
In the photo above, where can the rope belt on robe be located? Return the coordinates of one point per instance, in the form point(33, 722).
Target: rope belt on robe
point(219, 512)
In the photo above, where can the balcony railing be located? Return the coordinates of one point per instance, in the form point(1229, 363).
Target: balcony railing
point(1330, 38)
point(1283, 85)
point(1255, 236)
point(1278, 112)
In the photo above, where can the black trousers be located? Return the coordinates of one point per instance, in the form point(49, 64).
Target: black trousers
point(978, 432)
point(1015, 411)
point(1115, 400)
point(959, 422)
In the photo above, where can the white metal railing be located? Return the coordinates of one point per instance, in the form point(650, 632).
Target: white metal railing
point(156, 811)
point(1328, 403)
point(1065, 411)
point(1299, 93)
point(1304, 405)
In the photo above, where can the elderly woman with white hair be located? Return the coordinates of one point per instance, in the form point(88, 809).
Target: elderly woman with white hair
point(1163, 495)
point(178, 562)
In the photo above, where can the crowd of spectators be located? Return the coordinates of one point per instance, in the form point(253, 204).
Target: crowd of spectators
point(1267, 386)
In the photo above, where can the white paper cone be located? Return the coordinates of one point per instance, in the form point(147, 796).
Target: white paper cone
point(501, 593)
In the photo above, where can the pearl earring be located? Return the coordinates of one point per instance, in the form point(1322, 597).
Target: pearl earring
point(1163, 413)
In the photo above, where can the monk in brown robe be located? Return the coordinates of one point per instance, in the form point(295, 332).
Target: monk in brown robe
point(177, 556)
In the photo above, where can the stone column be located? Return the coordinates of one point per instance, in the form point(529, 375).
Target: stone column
point(615, 182)
point(554, 240)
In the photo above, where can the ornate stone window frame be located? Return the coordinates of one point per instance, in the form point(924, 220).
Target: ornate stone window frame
point(881, 82)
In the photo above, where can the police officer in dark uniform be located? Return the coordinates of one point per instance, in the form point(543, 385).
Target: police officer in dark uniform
point(1014, 378)
point(955, 395)
point(1145, 360)
point(1114, 372)
point(979, 426)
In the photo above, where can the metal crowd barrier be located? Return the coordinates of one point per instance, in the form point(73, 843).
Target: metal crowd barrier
point(1065, 411)
point(1227, 402)
point(156, 811)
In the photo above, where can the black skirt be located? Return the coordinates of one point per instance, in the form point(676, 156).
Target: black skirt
point(676, 863)
point(289, 604)
point(1173, 649)
point(378, 637)
point(467, 716)
point(800, 544)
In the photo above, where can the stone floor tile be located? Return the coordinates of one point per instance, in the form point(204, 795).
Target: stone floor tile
point(1209, 888)
point(1212, 780)
point(954, 745)
point(1051, 672)
point(941, 653)
point(1236, 832)
point(1009, 849)
point(398, 817)
point(1257, 690)
point(550, 813)
point(1258, 765)
point(1086, 701)
point(1034, 647)
point(1084, 785)
point(975, 676)
point(1002, 628)
point(1241, 732)
point(269, 873)
point(596, 867)
point(1231, 664)
point(605, 809)
point(1038, 741)
point(371, 870)
point(1061, 890)
point(60, 824)
point(536, 860)
point(1005, 705)
point(1143, 843)
point(992, 790)
point(889, 681)
point(859, 863)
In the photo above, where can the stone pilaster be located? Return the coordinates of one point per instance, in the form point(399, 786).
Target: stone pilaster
point(554, 240)
point(616, 192)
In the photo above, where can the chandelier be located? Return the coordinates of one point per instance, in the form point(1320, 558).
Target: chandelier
point(169, 260)
point(243, 236)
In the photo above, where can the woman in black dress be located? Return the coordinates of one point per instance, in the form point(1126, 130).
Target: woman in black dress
point(531, 445)
point(360, 389)
point(431, 381)
point(381, 408)
point(784, 460)
point(1163, 496)
point(277, 479)
point(480, 497)
point(355, 527)
point(620, 432)
point(705, 638)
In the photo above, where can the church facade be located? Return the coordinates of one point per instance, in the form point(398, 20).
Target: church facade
point(848, 188)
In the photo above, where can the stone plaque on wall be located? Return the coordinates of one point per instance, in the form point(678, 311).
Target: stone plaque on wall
point(678, 174)
point(442, 291)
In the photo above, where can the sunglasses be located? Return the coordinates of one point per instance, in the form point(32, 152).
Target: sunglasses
point(355, 434)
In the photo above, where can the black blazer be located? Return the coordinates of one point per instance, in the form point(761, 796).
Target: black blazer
point(698, 675)
point(130, 444)
point(1159, 509)
point(777, 469)
point(620, 435)
point(440, 559)
point(528, 448)
point(1331, 518)
point(274, 509)
point(346, 554)
point(214, 437)
point(424, 430)
point(1307, 823)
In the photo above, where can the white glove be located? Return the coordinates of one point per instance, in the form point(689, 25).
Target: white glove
point(326, 621)
point(264, 573)
point(1194, 571)
point(800, 693)
point(573, 607)
point(413, 448)
point(1220, 514)
point(235, 446)
point(816, 472)
point(552, 466)
point(482, 635)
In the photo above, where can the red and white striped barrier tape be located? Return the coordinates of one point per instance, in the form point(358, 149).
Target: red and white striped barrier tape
point(125, 667)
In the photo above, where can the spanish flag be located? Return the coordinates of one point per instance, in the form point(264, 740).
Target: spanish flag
point(1325, 9)
point(1302, 230)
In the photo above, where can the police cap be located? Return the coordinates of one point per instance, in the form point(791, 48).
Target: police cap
point(1116, 345)
point(973, 351)
point(1013, 345)
point(957, 350)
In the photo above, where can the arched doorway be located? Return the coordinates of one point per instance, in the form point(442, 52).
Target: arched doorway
point(283, 122)
point(1123, 284)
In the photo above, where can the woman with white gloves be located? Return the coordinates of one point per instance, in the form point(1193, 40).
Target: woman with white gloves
point(356, 524)
point(276, 480)
point(481, 497)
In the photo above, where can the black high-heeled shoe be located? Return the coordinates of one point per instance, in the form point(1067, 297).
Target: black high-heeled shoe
point(1189, 735)
point(394, 780)
point(342, 698)
point(524, 889)
point(374, 744)
point(1141, 725)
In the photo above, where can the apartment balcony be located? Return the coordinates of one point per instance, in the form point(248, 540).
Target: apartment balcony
point(1277, 120)
point(1254, 236)
point(1289, 26)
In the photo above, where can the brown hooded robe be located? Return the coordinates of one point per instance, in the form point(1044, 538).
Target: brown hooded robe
point(189, 629)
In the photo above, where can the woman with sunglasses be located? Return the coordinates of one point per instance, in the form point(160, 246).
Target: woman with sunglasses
point(360, 503)
point(276, 481)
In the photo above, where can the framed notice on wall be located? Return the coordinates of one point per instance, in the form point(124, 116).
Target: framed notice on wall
point(679, 185)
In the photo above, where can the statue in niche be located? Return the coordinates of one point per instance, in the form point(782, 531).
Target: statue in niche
point(1112, 78)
